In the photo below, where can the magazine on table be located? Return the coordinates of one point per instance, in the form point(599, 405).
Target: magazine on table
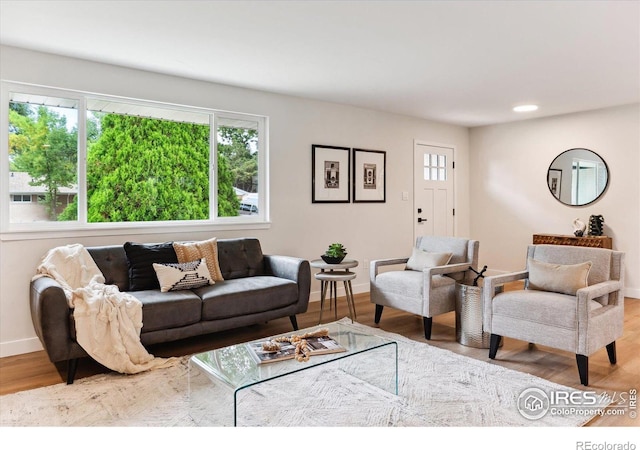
point(320, 345)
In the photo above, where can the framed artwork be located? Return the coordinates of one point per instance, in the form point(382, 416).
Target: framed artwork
point(330, 168)
point(554, 181)
point(369, 176)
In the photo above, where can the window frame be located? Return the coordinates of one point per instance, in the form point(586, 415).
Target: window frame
point(22, 200)
point(80, 227)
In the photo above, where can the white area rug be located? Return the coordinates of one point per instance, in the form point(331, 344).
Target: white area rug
point(436, 388)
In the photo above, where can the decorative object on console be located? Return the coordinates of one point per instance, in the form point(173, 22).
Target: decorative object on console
point(596, 224)
point(579, 227)
point(334, 254)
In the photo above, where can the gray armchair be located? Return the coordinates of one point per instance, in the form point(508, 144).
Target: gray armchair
point(423, 288)
point(573, 300)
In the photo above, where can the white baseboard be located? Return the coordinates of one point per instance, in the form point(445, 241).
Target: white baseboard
point(632, 293)
point(20, 347)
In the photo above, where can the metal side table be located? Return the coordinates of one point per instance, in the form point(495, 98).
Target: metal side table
point(469, 313)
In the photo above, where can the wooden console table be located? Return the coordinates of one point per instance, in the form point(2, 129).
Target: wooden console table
point(584, 241)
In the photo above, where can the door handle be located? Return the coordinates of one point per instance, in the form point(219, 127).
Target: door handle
point(420, 220)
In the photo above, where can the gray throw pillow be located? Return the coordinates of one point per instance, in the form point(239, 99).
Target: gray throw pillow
point(560, 278)
point(421, 259)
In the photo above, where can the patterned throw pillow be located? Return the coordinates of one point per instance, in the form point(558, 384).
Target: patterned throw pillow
point(179, 276)
point(190, 251)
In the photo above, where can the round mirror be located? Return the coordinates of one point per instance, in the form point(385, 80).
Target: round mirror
point(577, 177)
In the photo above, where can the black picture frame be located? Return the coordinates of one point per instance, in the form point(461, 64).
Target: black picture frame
point(369, 176)
point(330, 174)
point(554, 181)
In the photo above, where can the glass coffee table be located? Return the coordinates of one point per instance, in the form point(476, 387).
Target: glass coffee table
point(235, 368)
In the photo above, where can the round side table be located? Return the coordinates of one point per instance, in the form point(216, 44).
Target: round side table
point(329, 276)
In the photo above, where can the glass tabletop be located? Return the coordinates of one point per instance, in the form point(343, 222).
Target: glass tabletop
point(235, 366)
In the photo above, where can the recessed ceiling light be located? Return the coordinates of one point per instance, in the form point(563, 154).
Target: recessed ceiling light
point(525, 108)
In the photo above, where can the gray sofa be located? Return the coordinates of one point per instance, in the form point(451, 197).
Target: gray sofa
point(256, 288)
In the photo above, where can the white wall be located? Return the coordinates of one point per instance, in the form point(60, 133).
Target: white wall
point(298, 228)
point(510, 200)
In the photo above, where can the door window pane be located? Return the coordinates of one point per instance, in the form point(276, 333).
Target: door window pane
point(435, 167)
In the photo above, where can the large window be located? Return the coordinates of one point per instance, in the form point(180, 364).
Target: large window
point(97, 160)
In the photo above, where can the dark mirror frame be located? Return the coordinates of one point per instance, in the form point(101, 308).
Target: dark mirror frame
point(554, 177)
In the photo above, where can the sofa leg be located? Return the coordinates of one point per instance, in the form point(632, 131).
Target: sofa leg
point(583, 368)
point(611, 351)
point(294, 322)
point(378, 313)
point(72, 366)
point(427, 323)
point(494, 343)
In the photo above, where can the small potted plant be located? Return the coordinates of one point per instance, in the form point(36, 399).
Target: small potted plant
point(334, 254)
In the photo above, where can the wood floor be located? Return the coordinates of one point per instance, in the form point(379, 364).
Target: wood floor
point(33, 370)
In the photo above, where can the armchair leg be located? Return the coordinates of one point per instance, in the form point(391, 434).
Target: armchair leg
point(494, 343)
point(583, 368)
point(294, 322)
point(611, 351)
point(428, 322)
point(378, 313)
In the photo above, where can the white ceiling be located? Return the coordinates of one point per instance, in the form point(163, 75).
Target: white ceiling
point(461, 62)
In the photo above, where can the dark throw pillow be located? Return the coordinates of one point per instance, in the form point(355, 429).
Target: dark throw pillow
point(141, 257)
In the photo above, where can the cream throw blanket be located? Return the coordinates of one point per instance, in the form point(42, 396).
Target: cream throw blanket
point(108, 322)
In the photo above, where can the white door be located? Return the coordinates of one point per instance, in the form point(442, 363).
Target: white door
point(433, 190)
